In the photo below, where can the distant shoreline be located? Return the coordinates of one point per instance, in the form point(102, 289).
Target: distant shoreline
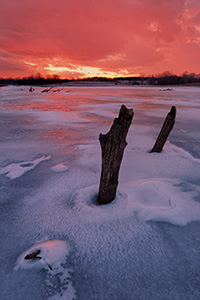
point(102, 84)
point(166, 79)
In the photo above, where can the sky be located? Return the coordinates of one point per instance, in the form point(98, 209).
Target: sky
point(85, 38)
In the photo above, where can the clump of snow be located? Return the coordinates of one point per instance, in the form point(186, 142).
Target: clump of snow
point(52, 254)
point(59, 168)
point(162, 200)
point(16, 170)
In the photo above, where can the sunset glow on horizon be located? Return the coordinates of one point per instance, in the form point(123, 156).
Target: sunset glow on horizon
point(110, 38)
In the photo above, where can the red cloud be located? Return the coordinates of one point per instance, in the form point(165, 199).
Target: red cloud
point(114, 35)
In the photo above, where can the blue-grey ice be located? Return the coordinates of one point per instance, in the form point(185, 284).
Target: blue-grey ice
point(145, 244)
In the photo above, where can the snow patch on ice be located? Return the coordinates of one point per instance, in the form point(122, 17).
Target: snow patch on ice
point(52, 257)
point(59, 168)
point(162, 200)
point(179, 152)
point(85, 203)
point(16, 170)
point(52, 253)
point(151, 200)
point(67, 294)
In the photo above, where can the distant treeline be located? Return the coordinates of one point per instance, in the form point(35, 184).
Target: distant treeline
point(165, 78)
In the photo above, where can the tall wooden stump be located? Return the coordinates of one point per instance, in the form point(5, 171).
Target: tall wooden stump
point(112, 147)
point(165, 131)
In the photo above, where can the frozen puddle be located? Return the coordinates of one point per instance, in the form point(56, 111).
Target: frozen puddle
point(51, 256)
point(16, 170)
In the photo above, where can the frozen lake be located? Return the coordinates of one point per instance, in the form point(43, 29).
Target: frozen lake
point(145, 245)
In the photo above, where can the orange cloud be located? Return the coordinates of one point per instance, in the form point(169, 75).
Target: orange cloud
point(109, 36)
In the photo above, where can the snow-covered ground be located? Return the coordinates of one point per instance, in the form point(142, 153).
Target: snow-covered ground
point(145, 245)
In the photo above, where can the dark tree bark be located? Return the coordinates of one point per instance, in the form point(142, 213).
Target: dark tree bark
point(112, 147)
point(165, 131)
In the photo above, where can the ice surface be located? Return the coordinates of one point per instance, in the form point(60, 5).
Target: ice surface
point(143, 245)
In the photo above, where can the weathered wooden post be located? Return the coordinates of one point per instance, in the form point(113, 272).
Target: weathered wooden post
point(165, 130)
point(112, 147)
